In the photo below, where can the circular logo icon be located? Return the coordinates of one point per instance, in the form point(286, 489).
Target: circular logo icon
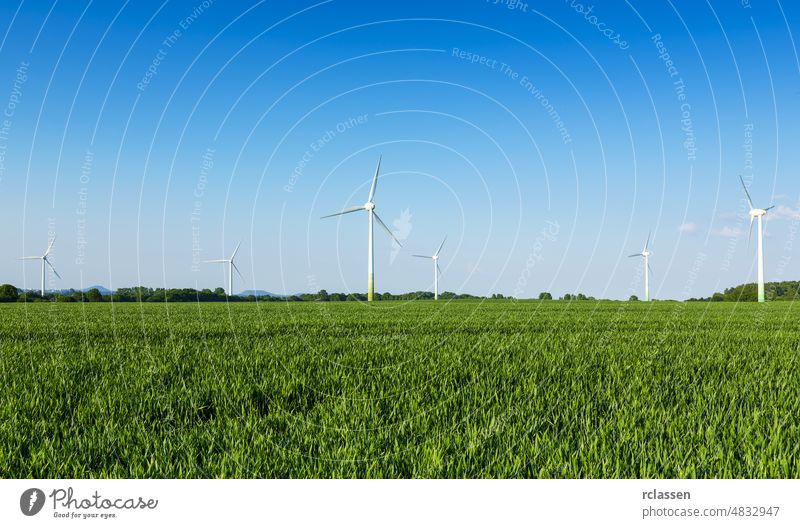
point(31, 501)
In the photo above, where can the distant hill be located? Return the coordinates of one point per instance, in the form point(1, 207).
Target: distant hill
point(258, 293)
point(103, 290)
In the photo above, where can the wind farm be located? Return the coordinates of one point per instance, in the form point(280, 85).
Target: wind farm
point(560, 231)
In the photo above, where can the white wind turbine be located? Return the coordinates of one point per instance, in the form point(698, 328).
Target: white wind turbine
point(646, 254)
point(436, 270)
point(231, 267)
point(757, 213)
point(369, 207)
point(45, 262)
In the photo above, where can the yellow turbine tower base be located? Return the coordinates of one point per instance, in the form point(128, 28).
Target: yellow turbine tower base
point(370, 289)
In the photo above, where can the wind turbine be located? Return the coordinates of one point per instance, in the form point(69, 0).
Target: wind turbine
point(757, 213)
point(369, 207)
point(436, 270)
point(646, 254)
point(231, 267)
point(45, 261)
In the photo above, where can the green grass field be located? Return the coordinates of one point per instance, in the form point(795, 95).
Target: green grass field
point(420, 389)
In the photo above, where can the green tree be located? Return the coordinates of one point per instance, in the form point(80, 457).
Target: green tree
point(8, 293)
point(94, 295)
point(633, 298)
point(545, 296)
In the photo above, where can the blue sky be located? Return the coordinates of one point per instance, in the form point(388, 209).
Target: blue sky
point(545, 139)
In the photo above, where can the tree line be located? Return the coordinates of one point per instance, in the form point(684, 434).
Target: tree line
point(773, 291)
point(9, 293)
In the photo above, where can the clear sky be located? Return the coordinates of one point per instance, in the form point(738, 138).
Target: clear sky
point(544, 139)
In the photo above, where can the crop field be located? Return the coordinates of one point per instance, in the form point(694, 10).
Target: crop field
point(400, 389)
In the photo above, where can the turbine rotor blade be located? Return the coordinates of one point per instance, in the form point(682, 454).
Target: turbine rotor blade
point(237, 270)
point(749, 200)
point(345, 211)
point(635, 255)
point(651, 269)
point(218, 261)
point(374, 180)
point(389, 231)
point(438, 268)
point(440, 246)
point(50, 246)
point(648, 242)
point(750, 234)
point(770, 207)
point(421, 256)
point(52, 268)
point(29, 258)
point(235, 250)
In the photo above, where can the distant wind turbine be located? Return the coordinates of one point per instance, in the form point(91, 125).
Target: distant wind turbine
point(646, 254)
point(231, 267)
point(369, 207)
point(757, 213)
point(436, 270)
point(45, 261)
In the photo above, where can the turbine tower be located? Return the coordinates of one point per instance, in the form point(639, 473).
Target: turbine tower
point(369, 207)
point(436, 270)
point(45, 261)
point(646, 254)
point(231, 267)
point(757, 213)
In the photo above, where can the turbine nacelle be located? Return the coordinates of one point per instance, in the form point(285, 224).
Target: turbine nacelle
point(754, 213)
point(369, 206)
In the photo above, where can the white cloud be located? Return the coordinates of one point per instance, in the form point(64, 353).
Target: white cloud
point(689, 227)
point(729, 215)
point(783, 212)
point(728, 232)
